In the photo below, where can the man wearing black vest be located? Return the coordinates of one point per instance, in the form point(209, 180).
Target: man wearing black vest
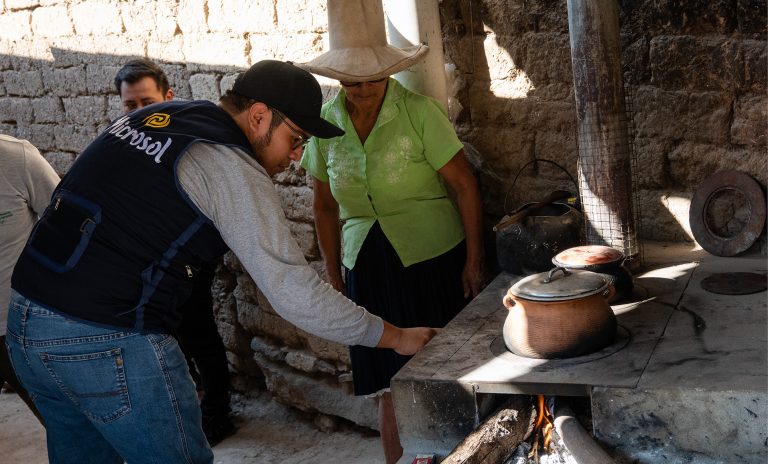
point(141, 83)
point(160, 191)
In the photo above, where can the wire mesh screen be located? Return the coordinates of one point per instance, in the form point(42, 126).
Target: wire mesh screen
point(637, 246)
point(606, 165)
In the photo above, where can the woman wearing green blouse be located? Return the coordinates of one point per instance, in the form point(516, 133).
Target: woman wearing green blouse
point(410, 254)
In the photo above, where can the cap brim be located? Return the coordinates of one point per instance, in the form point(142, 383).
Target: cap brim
point(316, 126)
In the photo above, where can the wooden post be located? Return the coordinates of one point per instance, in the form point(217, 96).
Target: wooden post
point(605, 180)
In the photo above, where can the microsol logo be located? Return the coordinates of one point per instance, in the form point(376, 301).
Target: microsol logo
point(139, 140)
point(157, 120)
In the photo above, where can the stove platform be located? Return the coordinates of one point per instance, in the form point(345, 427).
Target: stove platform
point(687, 377)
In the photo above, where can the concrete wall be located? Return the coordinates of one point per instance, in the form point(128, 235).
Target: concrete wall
point(696, 74)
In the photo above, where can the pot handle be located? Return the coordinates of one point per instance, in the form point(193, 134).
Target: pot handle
point(552, 272)
point(508, 301)
point(608, 292)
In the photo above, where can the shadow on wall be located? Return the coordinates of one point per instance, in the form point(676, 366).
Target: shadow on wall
point(61, 105)
point(697, 80)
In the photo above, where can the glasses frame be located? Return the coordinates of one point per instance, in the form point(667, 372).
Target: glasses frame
point(358, 84)
point(303, 140)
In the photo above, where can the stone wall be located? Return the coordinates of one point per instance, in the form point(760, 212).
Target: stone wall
point(696, 73)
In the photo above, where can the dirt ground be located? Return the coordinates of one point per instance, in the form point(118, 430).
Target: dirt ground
point(268, 433)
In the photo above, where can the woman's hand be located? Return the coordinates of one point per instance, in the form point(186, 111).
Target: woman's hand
point(473, 278)
point(406, 341)
point(334, 278)
point(458, 175)
point(328, 233)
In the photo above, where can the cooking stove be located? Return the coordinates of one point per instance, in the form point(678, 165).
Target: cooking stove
point(674, 339)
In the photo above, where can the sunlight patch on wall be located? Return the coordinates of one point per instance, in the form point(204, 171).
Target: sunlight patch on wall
point(26, 50)
point(679, 207)
point(507, 79)
point(518, 86)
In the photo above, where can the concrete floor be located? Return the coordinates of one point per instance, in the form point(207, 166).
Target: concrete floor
point(268, 433)
point(687, 382)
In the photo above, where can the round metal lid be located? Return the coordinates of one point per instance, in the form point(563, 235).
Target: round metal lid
point(559, 285)
point(587, 255)
point(727, 230)
point(735, 283)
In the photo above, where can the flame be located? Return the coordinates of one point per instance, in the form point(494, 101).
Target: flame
point(542, 430)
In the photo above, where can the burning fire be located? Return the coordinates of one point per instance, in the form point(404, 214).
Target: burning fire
point(542, 430)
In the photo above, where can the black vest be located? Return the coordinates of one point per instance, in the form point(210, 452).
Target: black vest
point(120, 242)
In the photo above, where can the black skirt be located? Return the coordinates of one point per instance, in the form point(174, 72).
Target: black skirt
point(425, 294)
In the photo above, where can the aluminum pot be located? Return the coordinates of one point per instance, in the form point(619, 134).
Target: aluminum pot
point(603, 260)
point(559, 314)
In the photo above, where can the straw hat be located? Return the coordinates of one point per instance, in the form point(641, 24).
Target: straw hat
point(359, 49)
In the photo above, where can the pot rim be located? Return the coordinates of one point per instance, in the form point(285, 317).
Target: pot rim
point(575, 295)
point(589, 249)
point(595, 267)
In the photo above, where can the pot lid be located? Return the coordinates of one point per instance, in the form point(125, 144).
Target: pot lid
point(588, 255)
point(559, 284)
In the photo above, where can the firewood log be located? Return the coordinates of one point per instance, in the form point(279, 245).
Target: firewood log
point(498, 436)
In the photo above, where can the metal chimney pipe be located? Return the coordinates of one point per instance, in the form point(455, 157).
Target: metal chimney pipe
point(605, 180)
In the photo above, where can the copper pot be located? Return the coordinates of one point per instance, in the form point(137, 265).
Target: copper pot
point(559, 314)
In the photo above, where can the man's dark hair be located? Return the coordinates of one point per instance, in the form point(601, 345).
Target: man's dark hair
point(136, 70)
point(235, 101)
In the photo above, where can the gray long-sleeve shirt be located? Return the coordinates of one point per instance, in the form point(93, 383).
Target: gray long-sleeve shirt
point(235, 192)
point(26, 184)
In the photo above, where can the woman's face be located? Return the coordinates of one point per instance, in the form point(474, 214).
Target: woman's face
point(369, 93)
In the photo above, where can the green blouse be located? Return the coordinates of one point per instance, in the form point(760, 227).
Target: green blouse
point(393, 177)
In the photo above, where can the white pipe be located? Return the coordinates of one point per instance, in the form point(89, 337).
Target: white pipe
point(581, 446)
point(410, 22)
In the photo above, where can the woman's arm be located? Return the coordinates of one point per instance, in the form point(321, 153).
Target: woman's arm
point(459, 177)
point(326, 211)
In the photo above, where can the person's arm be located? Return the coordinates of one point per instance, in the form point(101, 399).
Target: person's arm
point(406, 341)
point(326, 211)
point(235, 192)
point(459, 177)
point(40, 179)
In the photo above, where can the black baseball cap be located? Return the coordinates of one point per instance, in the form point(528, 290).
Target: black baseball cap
point(290, 90)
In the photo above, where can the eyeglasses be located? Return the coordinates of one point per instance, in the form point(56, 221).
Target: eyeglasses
point(358, 84)
point(302, 139)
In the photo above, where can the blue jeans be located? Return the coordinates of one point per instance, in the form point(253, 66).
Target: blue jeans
point(106, 395)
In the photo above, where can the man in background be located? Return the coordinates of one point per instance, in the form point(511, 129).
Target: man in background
point(26, 184)
point(141, 83)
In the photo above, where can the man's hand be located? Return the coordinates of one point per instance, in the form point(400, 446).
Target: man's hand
point(405, 341)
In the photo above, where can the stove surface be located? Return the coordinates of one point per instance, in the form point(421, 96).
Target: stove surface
point(674, 337)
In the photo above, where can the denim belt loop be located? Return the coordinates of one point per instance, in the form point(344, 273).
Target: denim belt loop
point(24, 318)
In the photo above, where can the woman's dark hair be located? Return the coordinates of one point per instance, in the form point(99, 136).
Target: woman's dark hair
point(136, 70)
